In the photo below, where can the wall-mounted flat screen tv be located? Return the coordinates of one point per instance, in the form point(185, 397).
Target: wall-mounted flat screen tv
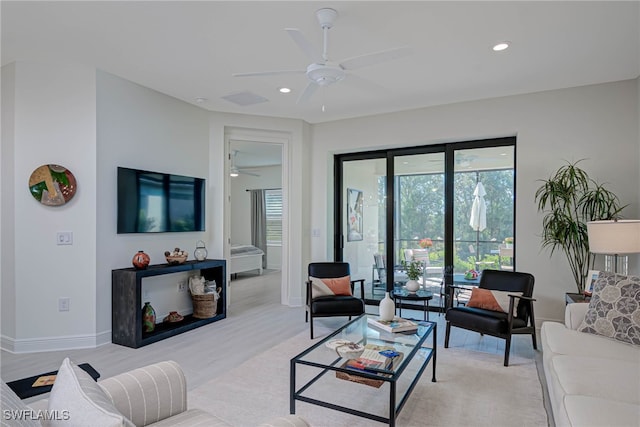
point(154, 202)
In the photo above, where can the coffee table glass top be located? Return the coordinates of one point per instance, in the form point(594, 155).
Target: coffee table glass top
point(359, 331)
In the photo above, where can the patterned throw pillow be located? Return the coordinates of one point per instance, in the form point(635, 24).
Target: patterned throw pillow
point(491, 300)
point(614, 309)
point(329, 287)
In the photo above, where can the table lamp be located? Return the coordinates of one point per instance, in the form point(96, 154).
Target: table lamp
point(614, 238)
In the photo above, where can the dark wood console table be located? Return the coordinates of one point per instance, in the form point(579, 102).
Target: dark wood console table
point(126, 302)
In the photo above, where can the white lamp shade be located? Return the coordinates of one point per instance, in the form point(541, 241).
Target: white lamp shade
point(614, 237)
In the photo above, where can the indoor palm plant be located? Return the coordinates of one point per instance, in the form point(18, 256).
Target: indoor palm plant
point(569, 199)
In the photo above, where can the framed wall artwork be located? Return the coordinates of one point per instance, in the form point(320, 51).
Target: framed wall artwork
point(52, 185)
point(354, 215)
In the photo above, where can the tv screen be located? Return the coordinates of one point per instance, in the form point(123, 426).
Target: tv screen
point(154, 202)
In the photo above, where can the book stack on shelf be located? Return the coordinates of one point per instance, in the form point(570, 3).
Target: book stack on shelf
point(376, 359)
point(398, 324)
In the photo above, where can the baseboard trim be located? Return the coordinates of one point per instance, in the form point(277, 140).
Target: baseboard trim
point(69, 342)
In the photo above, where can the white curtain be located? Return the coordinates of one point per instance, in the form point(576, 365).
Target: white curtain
point(259, 223)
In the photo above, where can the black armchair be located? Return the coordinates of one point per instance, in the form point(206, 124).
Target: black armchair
point(332, 305)
point(518, 320)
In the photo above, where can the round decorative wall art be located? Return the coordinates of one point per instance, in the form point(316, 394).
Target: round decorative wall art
point(52, 185)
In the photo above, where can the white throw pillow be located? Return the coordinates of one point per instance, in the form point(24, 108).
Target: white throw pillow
point(86, 404)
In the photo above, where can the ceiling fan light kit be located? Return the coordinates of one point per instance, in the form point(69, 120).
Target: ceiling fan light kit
point(323, 72)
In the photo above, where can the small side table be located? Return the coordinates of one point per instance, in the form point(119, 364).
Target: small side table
point(570, 298)
point(399, 295)
point(22, 388)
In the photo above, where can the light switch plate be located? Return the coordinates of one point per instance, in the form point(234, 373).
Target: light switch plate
point(64, 238)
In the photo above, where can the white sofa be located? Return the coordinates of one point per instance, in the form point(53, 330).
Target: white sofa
point(592, 380)
point(155, 395)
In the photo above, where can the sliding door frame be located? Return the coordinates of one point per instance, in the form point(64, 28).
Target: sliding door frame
point(449, 150)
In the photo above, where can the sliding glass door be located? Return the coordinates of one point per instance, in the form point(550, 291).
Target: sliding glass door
point(449, 206)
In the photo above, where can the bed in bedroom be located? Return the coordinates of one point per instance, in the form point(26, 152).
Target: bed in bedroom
point(245, 258)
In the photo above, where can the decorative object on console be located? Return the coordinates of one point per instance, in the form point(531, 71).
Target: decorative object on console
point(173, 317)
point(140, 260)
point(614, 238)
point(201, 252)
point(569, 199)
point(176, 257)
point(148, 318)
point(52, 185)
point(387, 308)
point(204, 297)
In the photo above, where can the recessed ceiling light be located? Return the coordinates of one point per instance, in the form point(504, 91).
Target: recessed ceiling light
point(201, 100)
point(501, 46)
point(284, 90)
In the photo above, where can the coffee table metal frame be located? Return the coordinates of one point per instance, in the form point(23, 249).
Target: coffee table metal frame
point(396, 403)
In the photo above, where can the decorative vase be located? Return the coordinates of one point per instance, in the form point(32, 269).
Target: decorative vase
point(140, 260)
point(148, 318)
point(387, 308)
point(201, 251)
point(412, 286)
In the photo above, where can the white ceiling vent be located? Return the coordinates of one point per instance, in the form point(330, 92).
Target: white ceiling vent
point(245, 98)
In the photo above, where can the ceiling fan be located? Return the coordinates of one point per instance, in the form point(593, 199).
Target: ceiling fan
point(322, 71)
point(234, 170)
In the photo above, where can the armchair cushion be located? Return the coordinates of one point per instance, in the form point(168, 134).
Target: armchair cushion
point(330, 286)
point(482, 320)
point(491, 300)
point(340, 305)
point(614, 309)
point(77, 394)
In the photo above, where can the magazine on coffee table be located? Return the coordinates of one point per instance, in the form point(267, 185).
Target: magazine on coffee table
point(373, 359)
point(398, 324)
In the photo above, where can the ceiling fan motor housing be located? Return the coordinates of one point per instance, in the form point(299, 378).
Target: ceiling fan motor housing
point(324, 75)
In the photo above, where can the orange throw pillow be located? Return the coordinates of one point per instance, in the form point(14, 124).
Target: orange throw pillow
point(491, 300)
point(328, 287)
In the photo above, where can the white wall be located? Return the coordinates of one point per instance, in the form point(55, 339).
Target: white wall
point(54, 121)
point(599, 123)
point(7, 214)
point(143, 129)
point(270, 177)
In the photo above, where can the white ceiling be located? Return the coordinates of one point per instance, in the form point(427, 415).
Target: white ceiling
point(191, 49)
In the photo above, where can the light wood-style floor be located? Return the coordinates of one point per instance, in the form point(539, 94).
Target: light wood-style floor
point(255, 322)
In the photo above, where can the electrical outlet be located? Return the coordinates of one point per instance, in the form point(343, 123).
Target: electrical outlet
point(63, 303)
point(182, 287)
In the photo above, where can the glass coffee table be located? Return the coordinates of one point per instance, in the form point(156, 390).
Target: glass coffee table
point(319, 376)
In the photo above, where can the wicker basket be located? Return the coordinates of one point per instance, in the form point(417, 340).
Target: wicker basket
point(204, 306)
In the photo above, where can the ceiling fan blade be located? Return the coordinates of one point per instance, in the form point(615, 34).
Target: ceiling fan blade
point(306, 46)
point(306, 94)
point(269, 73)
point(247, 173)
point(363, 84)
point(375, 58)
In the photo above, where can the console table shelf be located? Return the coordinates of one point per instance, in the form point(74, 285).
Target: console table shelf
point(126, 302)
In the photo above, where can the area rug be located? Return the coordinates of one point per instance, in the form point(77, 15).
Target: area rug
point(472, 389)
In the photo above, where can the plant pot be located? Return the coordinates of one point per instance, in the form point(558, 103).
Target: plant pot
point(412, 286)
